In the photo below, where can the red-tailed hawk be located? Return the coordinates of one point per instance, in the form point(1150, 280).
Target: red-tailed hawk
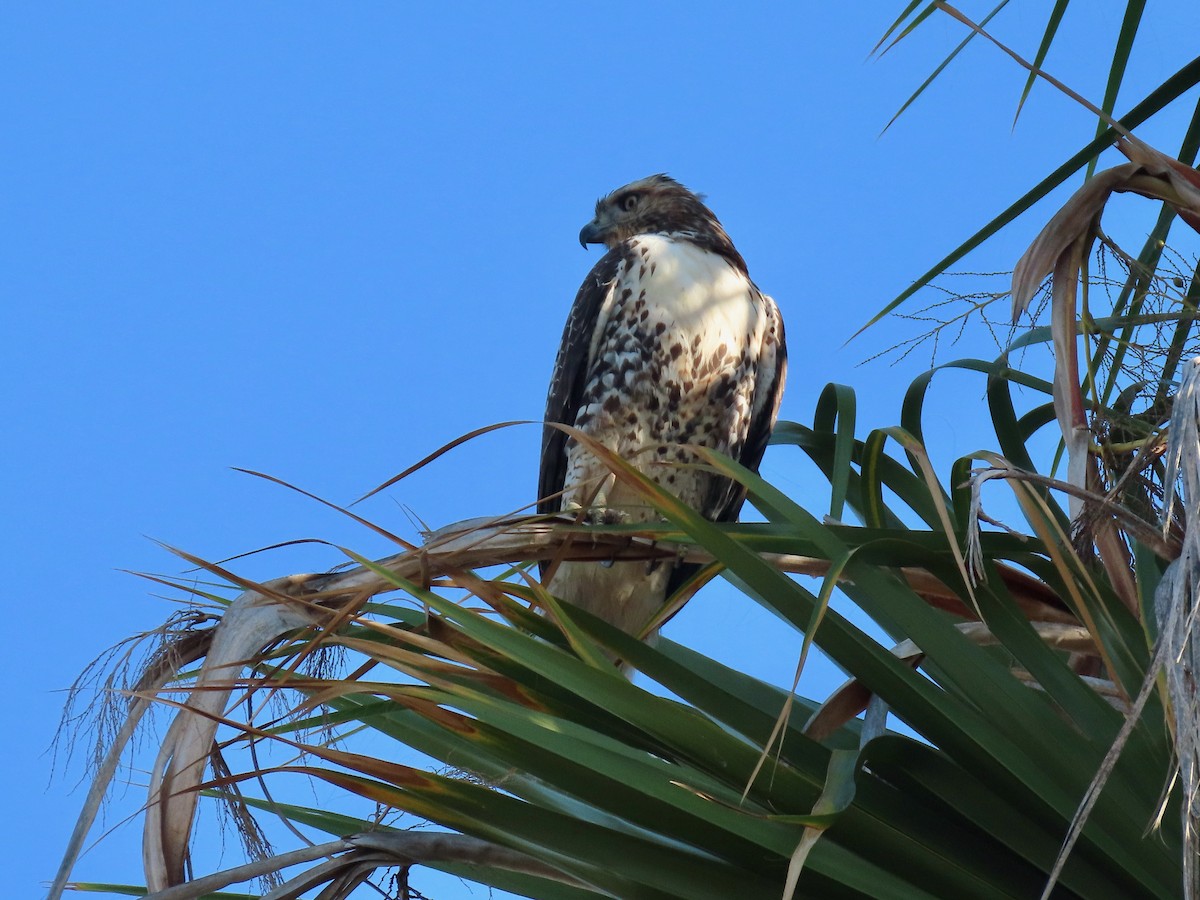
point(669, 343)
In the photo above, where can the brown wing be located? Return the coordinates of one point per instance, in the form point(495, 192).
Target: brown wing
point(570, 376)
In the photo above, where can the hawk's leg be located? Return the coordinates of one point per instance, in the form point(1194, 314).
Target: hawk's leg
point(599, 512)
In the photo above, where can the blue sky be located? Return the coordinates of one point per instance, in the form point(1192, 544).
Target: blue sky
point(321, 240)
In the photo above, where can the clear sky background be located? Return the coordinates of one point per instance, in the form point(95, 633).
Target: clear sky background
point(321, 240)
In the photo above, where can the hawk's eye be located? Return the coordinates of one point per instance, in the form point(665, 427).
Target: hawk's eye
point(629, 204)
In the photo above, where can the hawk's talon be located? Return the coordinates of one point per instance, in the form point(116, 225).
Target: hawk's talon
point(652, 564)
point(607, 516)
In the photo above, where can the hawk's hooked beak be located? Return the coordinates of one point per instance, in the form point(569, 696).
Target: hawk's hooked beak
point(591, 233)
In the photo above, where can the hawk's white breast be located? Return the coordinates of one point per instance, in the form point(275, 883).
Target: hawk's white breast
point(692, 291)
point(674, 361)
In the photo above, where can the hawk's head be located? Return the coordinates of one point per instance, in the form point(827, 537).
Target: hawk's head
point(655, 205)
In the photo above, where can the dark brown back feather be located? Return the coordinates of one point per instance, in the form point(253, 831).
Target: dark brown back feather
point(570, 374)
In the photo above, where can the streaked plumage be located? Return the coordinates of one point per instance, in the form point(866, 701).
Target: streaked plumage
point(668, 343)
